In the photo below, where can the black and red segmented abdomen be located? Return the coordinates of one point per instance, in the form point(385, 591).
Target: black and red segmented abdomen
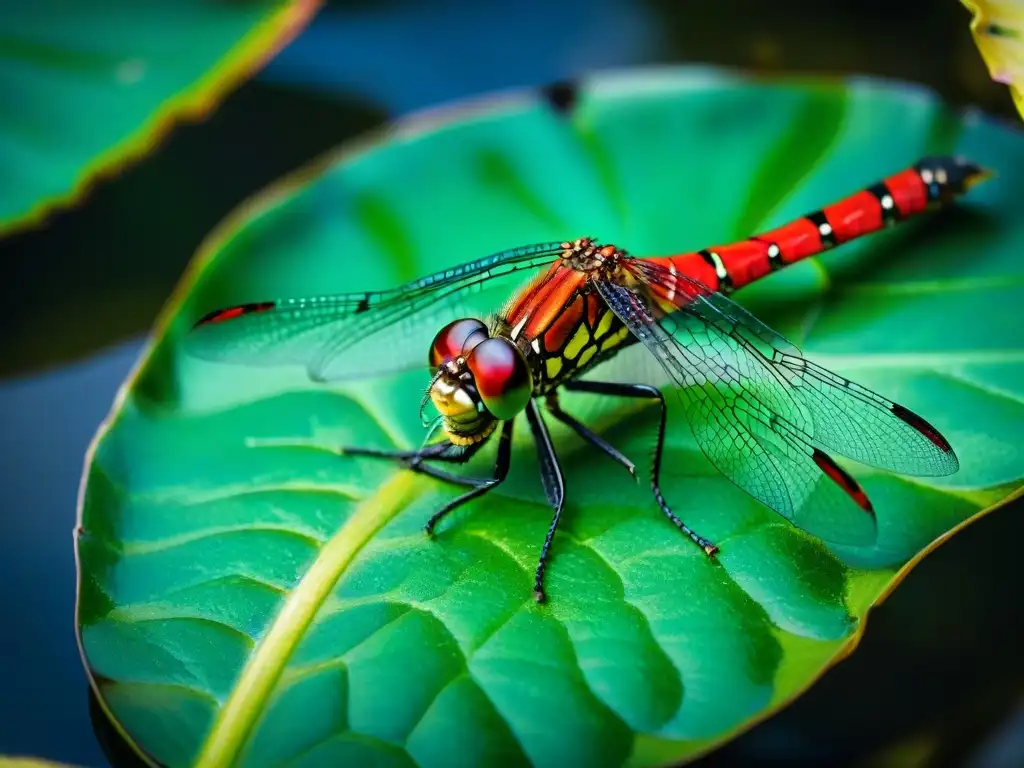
point(929, 183)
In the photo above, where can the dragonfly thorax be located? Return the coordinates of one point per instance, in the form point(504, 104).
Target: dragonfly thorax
point(479, 380)
point(586, 255)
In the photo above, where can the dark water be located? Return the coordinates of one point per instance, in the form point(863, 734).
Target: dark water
point(940, 657)
point(48, 421)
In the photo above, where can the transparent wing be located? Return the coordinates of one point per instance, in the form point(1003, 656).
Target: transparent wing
point(762, 414)
point(733, 416)
point(830, 411)
point(364, 334)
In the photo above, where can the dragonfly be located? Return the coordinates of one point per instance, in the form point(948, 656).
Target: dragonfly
point(501, 335)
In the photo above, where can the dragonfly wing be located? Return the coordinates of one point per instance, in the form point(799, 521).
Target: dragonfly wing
point(368, 333)
point(733, 407)
point(835, 413)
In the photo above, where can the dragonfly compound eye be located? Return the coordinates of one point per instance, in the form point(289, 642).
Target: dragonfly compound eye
point(456, 339)
point(502, 376)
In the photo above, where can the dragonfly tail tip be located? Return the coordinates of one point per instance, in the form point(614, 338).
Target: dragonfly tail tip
point(973, 174)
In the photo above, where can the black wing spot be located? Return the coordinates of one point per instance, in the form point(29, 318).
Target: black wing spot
point(229, 313)
point(363, 306)
point(561, 96)
point(843, 479)
point(922, 426)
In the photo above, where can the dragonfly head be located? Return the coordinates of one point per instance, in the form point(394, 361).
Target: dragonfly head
point(480, 379)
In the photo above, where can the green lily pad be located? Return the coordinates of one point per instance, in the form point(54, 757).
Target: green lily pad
point(87, 87)
point(249, 596)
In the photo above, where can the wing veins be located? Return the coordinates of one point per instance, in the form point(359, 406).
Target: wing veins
point(834, 421)
point(314, 331)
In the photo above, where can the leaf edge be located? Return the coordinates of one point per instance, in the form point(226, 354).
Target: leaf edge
point(242, 61)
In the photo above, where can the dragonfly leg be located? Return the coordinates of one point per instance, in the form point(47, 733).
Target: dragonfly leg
point(651, 393)
point(436, 451)
point(414, 460)
point(554, 488)
point(448, 477)
point(478, 485)
point(450, 453)
point(555, 408)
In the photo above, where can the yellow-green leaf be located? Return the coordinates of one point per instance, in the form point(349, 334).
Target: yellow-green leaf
point(87, 86)
point(998, 29)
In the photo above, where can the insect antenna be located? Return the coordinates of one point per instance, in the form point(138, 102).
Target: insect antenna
point(426, 399)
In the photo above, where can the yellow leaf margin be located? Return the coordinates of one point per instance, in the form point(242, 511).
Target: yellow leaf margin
point(998, 29)
point(247, 57)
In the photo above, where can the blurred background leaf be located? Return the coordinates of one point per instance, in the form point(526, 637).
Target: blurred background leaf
point(998, 29)
point(115, 260)
point(86, 87)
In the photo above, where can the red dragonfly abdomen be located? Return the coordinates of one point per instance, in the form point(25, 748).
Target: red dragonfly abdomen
point(929, 183)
